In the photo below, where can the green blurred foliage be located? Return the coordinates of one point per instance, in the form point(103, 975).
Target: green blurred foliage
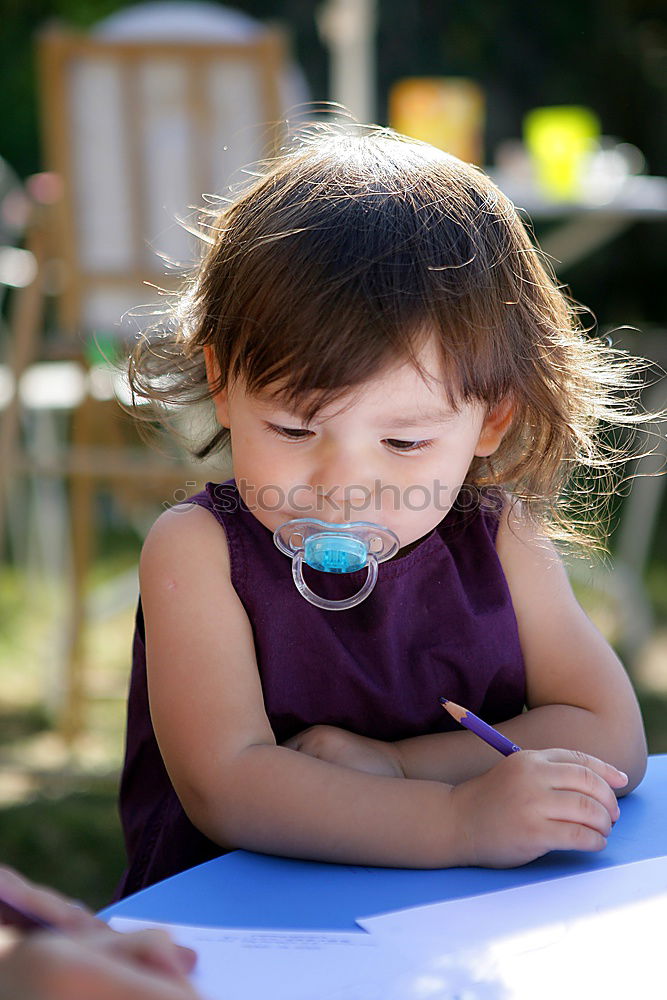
point(21, 20)
point(69, 840)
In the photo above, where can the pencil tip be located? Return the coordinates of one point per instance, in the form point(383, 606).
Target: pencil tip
point(454, 710)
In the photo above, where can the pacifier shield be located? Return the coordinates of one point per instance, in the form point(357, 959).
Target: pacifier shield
point(335, 548)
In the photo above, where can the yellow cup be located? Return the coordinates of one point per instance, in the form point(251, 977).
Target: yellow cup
point(560, 141)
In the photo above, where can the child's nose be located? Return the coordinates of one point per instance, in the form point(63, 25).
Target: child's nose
point(340, 483)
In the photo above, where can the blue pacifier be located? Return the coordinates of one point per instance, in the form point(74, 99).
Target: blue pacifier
point(335, 548)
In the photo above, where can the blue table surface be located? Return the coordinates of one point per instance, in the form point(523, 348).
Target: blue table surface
point(242, 889)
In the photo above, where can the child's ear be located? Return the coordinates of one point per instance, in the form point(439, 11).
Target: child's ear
point(496, 425)
point(218, 394)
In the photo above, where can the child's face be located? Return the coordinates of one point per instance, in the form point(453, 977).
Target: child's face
point(391, 451)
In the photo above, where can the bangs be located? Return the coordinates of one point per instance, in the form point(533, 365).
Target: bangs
point(336, 266)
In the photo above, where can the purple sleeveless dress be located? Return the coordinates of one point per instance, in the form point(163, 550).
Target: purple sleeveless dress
point(440, 621)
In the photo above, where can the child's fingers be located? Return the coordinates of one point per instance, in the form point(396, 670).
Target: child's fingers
point(574, 837)
point(585, 782)
point(579, 808)
point(611, 774)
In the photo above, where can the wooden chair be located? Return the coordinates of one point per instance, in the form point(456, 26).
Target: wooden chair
point(138, 129)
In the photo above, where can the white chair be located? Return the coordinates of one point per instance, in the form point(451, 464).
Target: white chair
point(159, 105)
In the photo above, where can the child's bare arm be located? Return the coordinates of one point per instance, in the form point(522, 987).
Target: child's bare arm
point(242, 790)
point(578, 693)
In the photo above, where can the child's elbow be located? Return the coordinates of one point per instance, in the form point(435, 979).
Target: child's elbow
point(227, 805)
point(205, 813)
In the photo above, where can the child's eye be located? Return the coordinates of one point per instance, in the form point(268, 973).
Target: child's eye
point(398, 445)
point(291, 433)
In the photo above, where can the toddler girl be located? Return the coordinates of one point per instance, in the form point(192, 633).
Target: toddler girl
point(382, 343)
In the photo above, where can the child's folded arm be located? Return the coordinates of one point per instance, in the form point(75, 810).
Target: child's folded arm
point(278, 801)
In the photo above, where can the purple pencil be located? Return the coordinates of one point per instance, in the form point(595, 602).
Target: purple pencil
point(480, 728)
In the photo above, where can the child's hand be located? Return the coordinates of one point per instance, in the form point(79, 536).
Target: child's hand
point(533, 802)
point(338, 746)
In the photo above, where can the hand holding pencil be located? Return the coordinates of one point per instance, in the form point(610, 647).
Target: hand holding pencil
point(532, 802)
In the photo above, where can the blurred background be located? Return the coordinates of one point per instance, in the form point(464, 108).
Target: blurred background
point(116, 119)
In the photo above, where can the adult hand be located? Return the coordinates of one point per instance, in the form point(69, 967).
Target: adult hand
point(83, 958)
point(338, 746)
point(95, 965)
point(533, 802)
point(47, 904)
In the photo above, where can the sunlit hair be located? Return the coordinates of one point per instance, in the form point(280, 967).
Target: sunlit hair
point(342, 254)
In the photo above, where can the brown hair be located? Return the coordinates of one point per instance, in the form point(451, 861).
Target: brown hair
point(338, 256)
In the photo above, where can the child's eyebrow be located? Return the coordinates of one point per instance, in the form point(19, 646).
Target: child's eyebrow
point(397, 420)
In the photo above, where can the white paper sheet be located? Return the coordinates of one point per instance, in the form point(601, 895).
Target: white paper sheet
point(282, 965)
point(599, 934)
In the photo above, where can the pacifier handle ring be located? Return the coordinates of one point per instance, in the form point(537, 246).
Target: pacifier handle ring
point(324, 602)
